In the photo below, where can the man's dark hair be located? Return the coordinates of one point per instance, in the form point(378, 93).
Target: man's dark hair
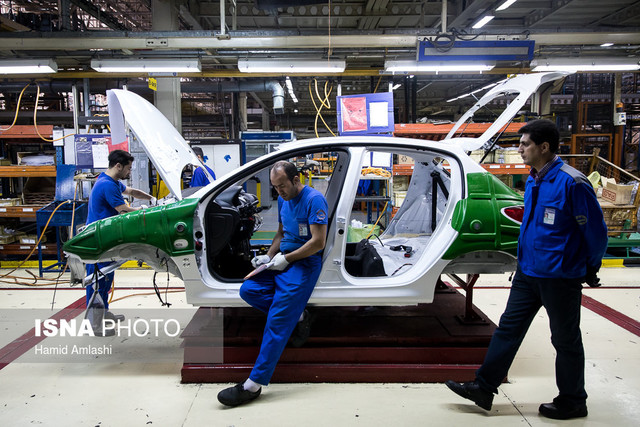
point(542, 130)
point(119, 156)
point(198, 151)
point(289, 168)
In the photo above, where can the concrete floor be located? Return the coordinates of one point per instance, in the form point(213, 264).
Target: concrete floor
point(143, 386)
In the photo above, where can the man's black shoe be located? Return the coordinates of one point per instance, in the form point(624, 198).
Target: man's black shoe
point(561, 412)
point(107, 332)
point(115, 317)
point(300, 334)
point(237, 395)
point(473, 392)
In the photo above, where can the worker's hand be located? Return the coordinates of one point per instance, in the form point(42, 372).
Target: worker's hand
point(153, 201)
point(144, 207)
point(279, 262)
point(591, 278)
point(259, 260)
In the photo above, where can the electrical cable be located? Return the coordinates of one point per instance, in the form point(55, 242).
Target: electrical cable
point(35, 123)
point(376, 171)
point(378, 220)
point(324, 103)
point(15, 118)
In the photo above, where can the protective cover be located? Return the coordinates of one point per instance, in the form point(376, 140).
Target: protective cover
point(166, 148)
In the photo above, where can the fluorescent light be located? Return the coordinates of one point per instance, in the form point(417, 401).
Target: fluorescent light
point(506, 4)
point(28, 66)
point(606, 45)
point(409, 66)
point(585, 64)
point(482, 22)
point(396, 86)
point(264, 65)
point(146, 65)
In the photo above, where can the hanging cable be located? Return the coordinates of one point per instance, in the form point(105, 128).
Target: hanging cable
point(15, 118)
point(35, 123)
point(324, 103)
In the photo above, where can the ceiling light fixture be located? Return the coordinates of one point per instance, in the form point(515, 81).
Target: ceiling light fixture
point(408, 66)
point(585, 64)
point(606, 45)
point(28, 66)
point(289, 66)
point(506, 4)
point(146, 65)
point(482, 22)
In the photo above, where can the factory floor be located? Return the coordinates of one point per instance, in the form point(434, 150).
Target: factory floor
point(143, 386)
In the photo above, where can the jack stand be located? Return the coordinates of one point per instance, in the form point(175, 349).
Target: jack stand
point(470, 316)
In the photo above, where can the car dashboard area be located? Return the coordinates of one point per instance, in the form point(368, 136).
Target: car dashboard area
point(230, 220)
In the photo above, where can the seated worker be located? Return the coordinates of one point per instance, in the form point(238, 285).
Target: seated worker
point(106, 201)
point(282, 290)
point(199, 178)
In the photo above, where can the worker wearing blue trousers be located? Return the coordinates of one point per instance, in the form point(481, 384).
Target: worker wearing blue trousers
point(563, 237)
point(282, 290)
point(105, 201)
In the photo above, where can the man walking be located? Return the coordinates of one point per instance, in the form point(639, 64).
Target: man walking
point(562, 240)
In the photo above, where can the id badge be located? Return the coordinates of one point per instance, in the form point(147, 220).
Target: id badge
point(303, 230)
point(549, 216)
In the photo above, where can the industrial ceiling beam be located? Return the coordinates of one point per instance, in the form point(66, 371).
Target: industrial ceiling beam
point(162, 41)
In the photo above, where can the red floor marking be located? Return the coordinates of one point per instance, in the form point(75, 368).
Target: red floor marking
point(612, 315)
point(27, 341)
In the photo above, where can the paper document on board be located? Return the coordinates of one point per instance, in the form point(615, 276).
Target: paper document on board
point(259, 269)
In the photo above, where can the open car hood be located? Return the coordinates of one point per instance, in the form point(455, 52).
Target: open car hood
point(166, 148)
point(524, 85)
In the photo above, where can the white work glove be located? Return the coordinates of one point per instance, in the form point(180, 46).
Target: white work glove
point(279, 262)
point(144, 207)
point(259, 260)
point(153, 201)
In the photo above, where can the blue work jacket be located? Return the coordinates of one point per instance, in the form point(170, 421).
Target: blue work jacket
point(563, 228)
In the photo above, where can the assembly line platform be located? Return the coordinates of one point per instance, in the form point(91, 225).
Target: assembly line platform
point(423, 343)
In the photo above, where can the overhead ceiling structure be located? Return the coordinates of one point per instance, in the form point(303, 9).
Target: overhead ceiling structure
point(363, 35)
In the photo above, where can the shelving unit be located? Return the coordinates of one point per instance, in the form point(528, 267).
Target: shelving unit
point(9, 174)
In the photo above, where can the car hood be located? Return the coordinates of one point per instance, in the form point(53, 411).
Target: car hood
point(166, 148)
point(524, 85)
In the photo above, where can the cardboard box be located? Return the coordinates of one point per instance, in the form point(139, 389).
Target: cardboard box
point(616, 193)
point(404, 160)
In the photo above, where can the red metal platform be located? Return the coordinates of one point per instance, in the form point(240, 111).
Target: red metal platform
point(423, 343)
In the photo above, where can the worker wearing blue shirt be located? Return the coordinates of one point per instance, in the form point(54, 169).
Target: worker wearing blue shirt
point(282, 291)
point(106, 200)
point(199, 178)
point(563, 237)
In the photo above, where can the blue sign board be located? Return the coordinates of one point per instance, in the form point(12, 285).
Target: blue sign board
point(472, 50)
point(366, 114)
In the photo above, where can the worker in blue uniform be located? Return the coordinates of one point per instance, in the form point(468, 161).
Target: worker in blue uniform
point(199, 178)
point(294, 262)
point(106, 200)
point(563, 237)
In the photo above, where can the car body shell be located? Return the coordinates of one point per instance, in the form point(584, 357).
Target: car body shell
point(473, 234)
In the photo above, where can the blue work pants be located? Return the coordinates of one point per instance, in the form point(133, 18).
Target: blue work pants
point(104, 283)
point(282, 296)
point(562, 299)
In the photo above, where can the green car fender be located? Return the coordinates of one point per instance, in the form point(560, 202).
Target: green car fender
point(479, 220)
point(168, 228)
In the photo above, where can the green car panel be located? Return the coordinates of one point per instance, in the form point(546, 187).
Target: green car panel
point(479, 219)
point(160, 226)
